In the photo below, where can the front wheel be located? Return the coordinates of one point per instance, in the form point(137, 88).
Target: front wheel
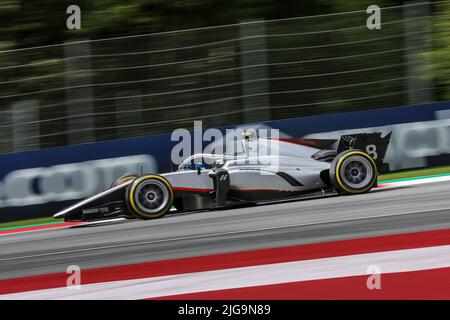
point(119, 181)
point(149, 197)
point(353, 172)
point(122, 179)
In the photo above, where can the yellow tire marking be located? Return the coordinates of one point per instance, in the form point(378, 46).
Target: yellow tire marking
point(338, 169)
point(127, 215)
point(123, 180)
point(133, 204)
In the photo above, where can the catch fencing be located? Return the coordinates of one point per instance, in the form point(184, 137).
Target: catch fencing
point(102, 89)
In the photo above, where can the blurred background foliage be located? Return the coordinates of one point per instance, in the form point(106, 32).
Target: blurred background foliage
point(30, 23)
point(42, 73)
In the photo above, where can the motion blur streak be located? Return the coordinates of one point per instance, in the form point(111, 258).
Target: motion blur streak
point(427, 284)
point(220, 241)
point(336, 262)
point(40, 227)
point(227, 64)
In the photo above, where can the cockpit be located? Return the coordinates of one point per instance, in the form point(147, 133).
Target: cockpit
point(203, 161)
point(234, 149)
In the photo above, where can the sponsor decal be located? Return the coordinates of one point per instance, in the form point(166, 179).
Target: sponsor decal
point(68, 181)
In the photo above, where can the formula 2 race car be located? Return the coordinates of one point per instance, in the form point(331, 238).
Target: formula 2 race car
point(213, 181)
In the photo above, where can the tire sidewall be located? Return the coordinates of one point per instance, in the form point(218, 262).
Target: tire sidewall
point(124, 178)
point(132, 206)
point(335, 169)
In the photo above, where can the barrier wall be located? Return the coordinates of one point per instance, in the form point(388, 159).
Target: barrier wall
point(39, 183)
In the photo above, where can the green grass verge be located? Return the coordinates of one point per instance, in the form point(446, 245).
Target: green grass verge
point(415, 173)
point(29, 222)
point(385, 177)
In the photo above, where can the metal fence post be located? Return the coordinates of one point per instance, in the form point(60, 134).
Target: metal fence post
point(417, 38)
point(131, 119)
point(253, 52)
point(25, 125)
point(80, 128)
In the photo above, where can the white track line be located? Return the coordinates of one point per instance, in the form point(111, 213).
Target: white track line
point(315, 269)
point(213, 235)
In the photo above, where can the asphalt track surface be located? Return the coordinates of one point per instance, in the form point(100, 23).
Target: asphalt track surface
point(381, 212)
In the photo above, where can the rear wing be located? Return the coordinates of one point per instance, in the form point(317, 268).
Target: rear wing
point(371, 143)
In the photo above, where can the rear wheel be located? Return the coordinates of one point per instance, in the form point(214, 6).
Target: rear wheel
point(149, 197)
point(353, 172)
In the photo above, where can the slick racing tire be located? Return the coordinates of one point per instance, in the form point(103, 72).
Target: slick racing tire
point(122, 179)
point(149, 197)
point(353, 172)
point(119, 181)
